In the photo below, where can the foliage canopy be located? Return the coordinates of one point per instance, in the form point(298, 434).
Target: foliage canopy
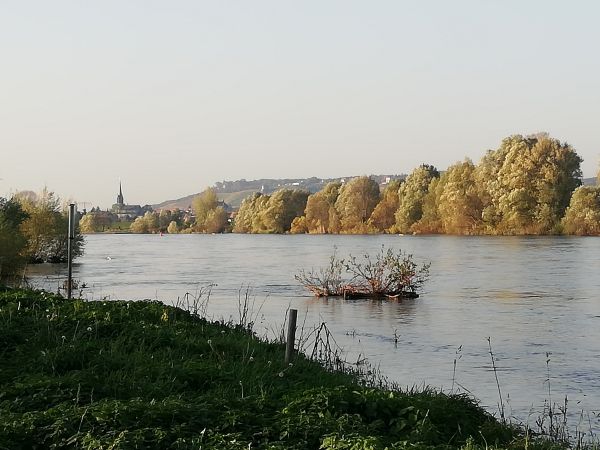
point(523, 187)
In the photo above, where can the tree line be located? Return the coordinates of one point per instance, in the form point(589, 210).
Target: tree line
point(209, 216)
point(33, 229)
point(530, 185)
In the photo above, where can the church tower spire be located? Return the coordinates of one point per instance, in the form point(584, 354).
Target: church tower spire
point(120, 196)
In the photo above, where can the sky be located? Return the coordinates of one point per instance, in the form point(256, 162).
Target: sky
point(169, 97)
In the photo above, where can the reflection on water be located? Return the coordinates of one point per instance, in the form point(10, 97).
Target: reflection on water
point(531, 296)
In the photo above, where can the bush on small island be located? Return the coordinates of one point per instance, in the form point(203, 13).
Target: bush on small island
point(120, 375)
point(388, 275)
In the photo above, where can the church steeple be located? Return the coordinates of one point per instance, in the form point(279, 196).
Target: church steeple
point(120, 196)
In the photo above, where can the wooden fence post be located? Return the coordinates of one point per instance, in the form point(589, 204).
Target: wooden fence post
point(71, 237)
point(291, 335)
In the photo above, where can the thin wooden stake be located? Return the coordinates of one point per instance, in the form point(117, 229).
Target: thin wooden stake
point(70, 249)
point(291, 335)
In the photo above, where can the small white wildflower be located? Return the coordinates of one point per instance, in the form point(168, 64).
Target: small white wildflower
point(251, 359)
point(63, 338)
point(89, 328)
point(290, 364)
point(269, 363)
point(209, 342)
point(280, 374)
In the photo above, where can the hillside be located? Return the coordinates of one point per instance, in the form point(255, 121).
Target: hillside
point(234, 192)
point(589, 181)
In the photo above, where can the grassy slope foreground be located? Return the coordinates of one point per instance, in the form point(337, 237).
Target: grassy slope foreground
point(79, 374)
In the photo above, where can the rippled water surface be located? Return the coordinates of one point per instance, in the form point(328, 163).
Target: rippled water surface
point(531, 296)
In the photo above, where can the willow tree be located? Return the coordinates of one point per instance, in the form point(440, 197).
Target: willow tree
point(148, 223)
point(355, 204)
point(173, 228)
point(270, 213)
point(383, 217)
point(412, 195)
point(430, 221)
point(582, 217)
point(527, 184)
point(89, 223)
point(281, 209)
point(320, 212)
point(210, 216)
point(164, 219)
point(458, 202)
point(46, 228)
point(246, 213)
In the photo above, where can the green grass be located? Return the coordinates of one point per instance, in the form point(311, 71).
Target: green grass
point(122, 226)
point(77, 374)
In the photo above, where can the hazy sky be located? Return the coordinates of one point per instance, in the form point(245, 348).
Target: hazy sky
point(172, 96)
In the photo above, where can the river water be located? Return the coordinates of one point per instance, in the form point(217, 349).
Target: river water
point(536, 298)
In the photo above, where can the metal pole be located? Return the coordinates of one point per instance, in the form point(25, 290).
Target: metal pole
point(291, 335)
point(70, 248)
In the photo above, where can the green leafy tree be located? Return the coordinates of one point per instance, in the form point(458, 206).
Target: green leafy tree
point(430, 221)
point(270, 213)
point(320, 209)
point(176, 216)
point(12, 241)
point(151, 219)
point(583, 214)
point(173, 228)
point(412, 195)
point(139, 225)
point(527, 184)
point(459, 205)
point(46, 228)
point(89, 223)
point(383, 217)
point(216, 221)
point(355, 204)
point(244, 220)
point(148, 223)
point(281, 209)
point(299, 225)
point(164, 219)
point(203, 204)
point(210, 216)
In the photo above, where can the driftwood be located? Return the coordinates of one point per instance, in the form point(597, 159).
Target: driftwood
point(349, 292)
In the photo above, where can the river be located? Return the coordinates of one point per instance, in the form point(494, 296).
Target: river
point(536, 298)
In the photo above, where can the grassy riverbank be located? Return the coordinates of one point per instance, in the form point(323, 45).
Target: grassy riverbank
point(121, 374)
